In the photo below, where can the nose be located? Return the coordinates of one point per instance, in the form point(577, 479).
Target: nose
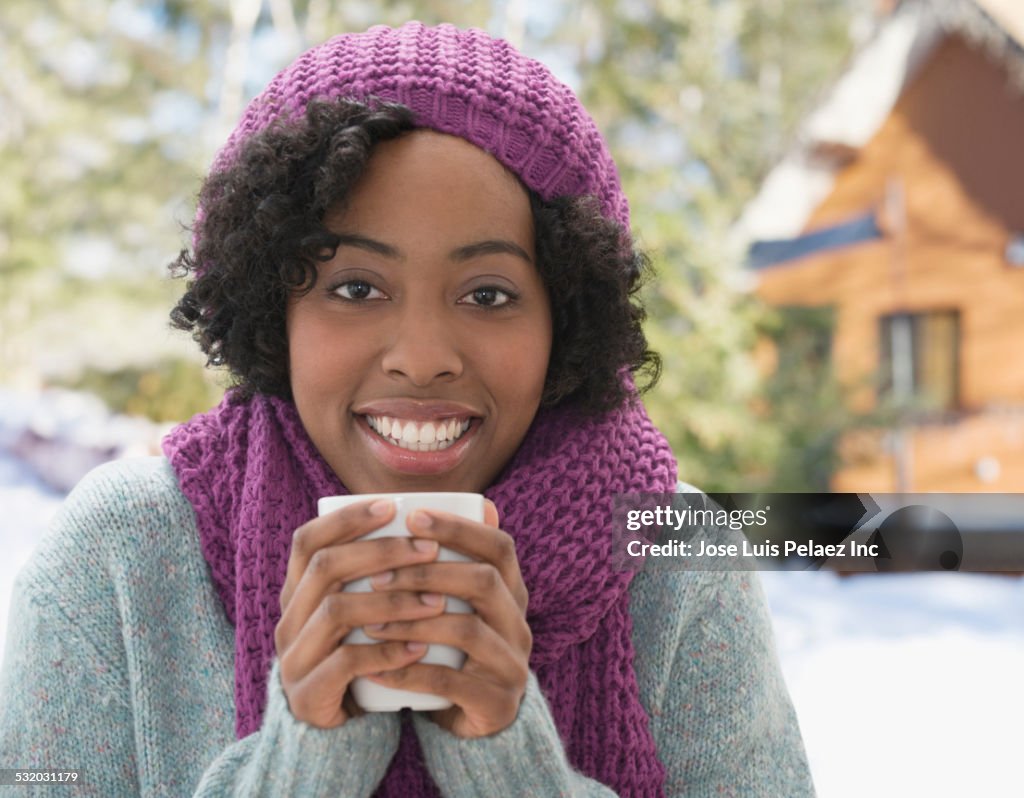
point(423, 347)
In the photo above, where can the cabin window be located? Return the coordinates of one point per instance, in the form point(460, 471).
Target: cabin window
point(920, 359)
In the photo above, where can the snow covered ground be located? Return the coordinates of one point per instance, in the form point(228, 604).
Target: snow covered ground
point(905, 686)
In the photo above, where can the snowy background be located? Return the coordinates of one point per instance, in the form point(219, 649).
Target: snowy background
point(905, 686)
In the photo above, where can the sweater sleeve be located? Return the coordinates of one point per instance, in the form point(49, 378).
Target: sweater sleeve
point(711, 682)
point(90, 680)
point(289, 757)
point(526, 759)
point(710, 678)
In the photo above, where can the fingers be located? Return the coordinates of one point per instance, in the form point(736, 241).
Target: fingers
point(317, 697)
point(335, 565)
point(339, 613)
point(489, 654)
point(490, 513)
point(485, 707)
point(479, 584)
point(485, 543)
point(406, 607)
point(486, 692)
point(340, 526)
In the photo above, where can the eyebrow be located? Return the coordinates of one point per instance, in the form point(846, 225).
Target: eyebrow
point(369, 244)
point(496, 246)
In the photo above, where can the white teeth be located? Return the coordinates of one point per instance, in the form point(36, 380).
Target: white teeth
point(419, 436)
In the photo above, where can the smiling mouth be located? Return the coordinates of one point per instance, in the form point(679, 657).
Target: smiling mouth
point(419, 436)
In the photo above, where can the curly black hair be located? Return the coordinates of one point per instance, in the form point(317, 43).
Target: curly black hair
point(261, 234)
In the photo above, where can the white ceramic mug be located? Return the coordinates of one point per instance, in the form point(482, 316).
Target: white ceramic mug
point(374, 697)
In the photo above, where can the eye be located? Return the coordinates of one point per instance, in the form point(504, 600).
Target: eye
point(357, 290)
point(488, 296)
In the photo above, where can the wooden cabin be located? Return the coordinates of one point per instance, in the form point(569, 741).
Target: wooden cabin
point(900, 214)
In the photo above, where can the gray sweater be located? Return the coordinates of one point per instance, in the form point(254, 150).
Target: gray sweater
point(120, 664)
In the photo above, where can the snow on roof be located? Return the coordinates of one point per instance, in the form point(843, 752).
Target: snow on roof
point(863, 97)
point(1009, 14)
point(852, 112)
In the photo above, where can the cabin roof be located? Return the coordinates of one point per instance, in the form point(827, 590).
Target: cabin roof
point(863, 97)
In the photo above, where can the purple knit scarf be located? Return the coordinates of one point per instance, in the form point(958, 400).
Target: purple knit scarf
point(253, 476)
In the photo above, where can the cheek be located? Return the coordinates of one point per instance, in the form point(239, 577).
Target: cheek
point(536, 356)
point(319, 363)
point(302, 349)
point(541, 346)
point(519, 367)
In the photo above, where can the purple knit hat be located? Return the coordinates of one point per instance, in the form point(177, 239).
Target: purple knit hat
point(461, 82)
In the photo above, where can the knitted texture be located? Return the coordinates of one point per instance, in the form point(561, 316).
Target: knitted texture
point(119, 658)
point(461, 82)
point(253, 477)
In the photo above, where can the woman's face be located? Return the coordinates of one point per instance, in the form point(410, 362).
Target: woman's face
point(418, 359)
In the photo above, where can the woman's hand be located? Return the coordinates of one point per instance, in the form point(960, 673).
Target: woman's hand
point(316, 669)
point(487, 691)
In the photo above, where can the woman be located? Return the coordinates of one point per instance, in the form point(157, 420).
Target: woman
point(413, 257)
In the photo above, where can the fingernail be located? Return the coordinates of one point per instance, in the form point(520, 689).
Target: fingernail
point(381, 507)
point(421, 520)
point(379, 580)
point(375, 627)
point(431, 599)
point(425, 546)
point(415, 648)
